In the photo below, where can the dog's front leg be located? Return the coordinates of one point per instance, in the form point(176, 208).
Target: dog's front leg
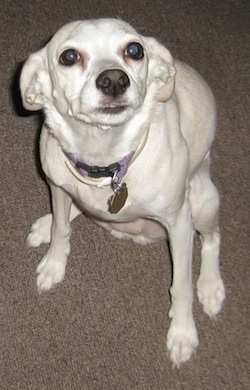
point(51, 269)
point(182, 336)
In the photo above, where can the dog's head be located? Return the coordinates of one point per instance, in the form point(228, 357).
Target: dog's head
point(98, 71)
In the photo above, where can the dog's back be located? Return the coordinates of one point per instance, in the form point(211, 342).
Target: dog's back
point(197, 112)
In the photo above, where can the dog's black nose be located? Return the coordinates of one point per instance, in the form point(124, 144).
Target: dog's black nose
point(112, 82)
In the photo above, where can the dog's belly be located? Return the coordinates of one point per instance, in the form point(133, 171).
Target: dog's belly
point(142, 226)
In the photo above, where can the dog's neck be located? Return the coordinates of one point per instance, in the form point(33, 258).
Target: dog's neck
point(96, 144)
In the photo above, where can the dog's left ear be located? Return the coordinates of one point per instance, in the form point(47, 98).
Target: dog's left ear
point(161, 69)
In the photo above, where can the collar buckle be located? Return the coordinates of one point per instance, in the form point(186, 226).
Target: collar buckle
point(97, 172)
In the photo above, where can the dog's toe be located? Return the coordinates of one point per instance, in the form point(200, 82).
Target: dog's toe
point(50, 272)
point(211, 294)
point(40, 232)
point(181, 343)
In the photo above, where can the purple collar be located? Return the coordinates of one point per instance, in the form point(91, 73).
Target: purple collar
point(118, 168)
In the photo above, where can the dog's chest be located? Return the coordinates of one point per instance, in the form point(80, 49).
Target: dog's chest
point(104, 203)
point(149, 187)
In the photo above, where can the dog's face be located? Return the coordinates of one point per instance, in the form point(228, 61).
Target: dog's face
point(97, 71)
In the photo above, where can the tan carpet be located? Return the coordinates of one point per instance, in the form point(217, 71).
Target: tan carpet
point(105, 326)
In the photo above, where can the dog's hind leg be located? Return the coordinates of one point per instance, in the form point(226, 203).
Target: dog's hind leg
point(204, 201)
point(40, 232)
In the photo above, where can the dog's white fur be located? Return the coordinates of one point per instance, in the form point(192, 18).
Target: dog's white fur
point(171, 108)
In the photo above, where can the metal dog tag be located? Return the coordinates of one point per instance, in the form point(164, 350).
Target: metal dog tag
point(118, 199)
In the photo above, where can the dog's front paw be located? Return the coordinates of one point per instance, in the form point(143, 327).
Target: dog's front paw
point(181, 342)
point(50, 272)
point(211, 294)
point(40, 232)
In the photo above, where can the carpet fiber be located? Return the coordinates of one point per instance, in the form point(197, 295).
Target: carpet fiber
point(105, 326)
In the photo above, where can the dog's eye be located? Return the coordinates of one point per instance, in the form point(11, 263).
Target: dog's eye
point(134, 50)
point(69, 57)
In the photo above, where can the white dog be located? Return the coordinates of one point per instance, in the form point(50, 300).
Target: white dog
point(126, 139)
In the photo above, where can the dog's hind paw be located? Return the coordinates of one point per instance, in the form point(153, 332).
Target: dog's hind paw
point(40, 232)
point(211, 294)
point(50, 272)
point(181, 343)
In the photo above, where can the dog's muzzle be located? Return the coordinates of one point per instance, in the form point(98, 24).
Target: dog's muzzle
point(112, 82)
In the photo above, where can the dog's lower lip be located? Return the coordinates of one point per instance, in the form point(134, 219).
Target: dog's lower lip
point(112, 109)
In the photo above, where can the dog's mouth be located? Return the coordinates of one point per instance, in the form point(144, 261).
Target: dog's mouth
point(112, 109)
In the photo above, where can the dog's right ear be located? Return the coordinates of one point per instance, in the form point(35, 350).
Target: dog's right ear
point(35, 83)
